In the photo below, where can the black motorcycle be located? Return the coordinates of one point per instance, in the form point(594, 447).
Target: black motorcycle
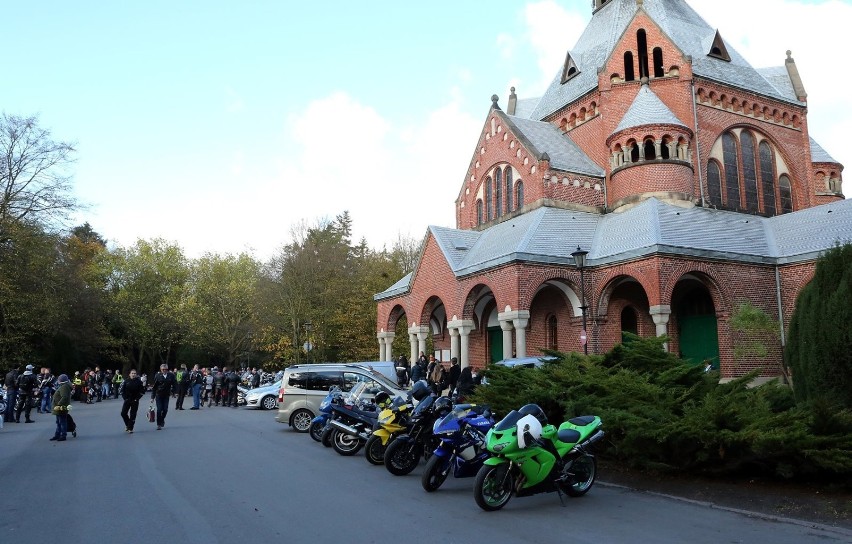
point(352, 422)
point(404, 453)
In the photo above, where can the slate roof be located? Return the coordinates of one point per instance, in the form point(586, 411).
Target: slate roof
point(818, 154)
point(681, 23)
point(550, 235)
point(647, 109)
point(564, 154)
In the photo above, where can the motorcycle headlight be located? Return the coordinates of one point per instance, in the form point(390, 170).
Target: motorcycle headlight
point(385, 420)
point(498, 447)
point(324, 404)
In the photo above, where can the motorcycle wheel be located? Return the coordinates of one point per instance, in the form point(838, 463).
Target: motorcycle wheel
point(402, 456)
point(346, 444)
point(316, 430)
point(437, 470)
point(584, 470)
point(326, 436)
point(493, 487)
point(374, 450)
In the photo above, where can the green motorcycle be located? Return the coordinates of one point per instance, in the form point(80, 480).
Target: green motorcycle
point(530, 456)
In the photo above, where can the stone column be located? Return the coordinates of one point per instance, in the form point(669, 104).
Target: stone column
point(519, 319)
point(454, 342)
point(381, 338)
point(660, 314)
point(462, 328)
point(389, 336)
point(507, 338)
point(412, 343)
point(422, 335)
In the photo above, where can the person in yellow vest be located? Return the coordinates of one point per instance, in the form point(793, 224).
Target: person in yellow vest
point(77, 386)
point(182, 377)
point(117, 380)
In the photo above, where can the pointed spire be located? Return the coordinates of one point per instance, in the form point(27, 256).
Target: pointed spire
point(795, 78)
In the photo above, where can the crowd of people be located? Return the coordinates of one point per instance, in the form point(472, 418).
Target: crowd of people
point(447, 381)
point(25, 390)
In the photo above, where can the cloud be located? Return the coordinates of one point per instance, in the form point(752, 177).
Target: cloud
point(552, 31)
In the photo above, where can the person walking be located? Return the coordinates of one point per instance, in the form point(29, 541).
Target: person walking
point(164, 386)
point(196, 380)
point(61, 407)
point(131, 392)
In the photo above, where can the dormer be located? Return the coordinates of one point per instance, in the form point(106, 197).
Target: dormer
point(570, 69)
point(598, 4)
point(718, 49)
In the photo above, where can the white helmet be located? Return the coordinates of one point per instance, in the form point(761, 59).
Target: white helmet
point(529, 429)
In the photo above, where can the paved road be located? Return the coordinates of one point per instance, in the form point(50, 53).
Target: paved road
point(235, 475)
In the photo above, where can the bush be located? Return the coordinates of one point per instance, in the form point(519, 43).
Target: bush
point(662, 413)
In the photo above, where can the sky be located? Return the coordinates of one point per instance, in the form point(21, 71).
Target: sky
point(223, 125)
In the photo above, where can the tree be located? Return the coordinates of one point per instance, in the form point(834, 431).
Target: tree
point(34, 178)
point(221, 308)
point(819, 345)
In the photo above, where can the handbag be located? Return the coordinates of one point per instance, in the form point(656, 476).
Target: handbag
point(151, 415)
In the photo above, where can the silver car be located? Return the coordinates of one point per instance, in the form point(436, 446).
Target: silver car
point(265, 396)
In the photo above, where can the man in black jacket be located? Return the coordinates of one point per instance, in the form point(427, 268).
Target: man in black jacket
point(131, 391)
point(164, 385)
point(232, 380)
point(11, 384)
point(27, 384)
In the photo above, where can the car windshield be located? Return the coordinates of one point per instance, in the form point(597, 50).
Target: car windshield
point(382, 379)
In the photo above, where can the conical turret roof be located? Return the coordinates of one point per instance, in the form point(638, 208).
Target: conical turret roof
point(647, 109)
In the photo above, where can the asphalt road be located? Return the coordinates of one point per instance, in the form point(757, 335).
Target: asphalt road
point(235, 475)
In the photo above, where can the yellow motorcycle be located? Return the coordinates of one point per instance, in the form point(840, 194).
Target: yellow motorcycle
point(392, 422)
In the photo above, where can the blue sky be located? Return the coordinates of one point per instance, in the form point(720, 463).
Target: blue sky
point(222, 125)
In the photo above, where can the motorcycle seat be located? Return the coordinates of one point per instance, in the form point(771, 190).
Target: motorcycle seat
point(581, 421)
point(569, 436)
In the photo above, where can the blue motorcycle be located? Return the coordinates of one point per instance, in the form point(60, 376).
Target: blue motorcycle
point(319, 423)
point(462, 448)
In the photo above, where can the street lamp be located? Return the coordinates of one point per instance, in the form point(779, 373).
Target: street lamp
point(580, 261)
point(308, 346)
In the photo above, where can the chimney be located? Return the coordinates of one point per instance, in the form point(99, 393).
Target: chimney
point(513, 102)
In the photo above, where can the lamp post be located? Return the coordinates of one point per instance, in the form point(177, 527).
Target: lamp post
point(308, 346)
point(580, 261)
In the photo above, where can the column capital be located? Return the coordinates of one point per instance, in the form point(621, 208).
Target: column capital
point(506, 325)
point(515, 314)
point(386, 335)
point(463, 326)
point(418, 329)
point(660, 314)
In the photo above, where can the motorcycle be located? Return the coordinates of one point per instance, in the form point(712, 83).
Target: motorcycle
point(462, 449)
point(404, 453)
point(530, 456)
point(318, 423)
point(352, 423)
point(392, 422)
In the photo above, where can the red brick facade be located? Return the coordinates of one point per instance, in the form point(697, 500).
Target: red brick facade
point(629, 293)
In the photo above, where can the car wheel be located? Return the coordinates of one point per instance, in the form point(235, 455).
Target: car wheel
point(269, 402)
point(301, 420)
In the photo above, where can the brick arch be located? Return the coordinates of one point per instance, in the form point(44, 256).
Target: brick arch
point(611, 280)
point(437, 321)
point(569, 287)
point(393, 317)
point(473, 298)
point(702, 272)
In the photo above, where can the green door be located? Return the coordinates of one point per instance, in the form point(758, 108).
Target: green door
point(495, 342)
point(699, 339)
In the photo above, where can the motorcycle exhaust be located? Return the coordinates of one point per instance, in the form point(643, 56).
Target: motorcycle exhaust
point(348, 429)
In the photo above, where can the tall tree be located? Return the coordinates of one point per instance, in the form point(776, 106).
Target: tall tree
point(35, 183)
point(221, 309)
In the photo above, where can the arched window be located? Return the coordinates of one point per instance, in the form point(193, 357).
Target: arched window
point(749, 172)
point(629, 74)
point(478, 212)
point(634, 152)
point(650, 150)
point(732, 171)
point(488, 207)
point(642, 41)
point(665, 152)
point(659, 71)
point(786, 193)
point(767, 178)
point(519, 192)
point(509, 186)
point(714, 183)
point(552, 342)
point(498, 192)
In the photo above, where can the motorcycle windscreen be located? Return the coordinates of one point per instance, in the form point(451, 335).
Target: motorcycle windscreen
point(508, 422)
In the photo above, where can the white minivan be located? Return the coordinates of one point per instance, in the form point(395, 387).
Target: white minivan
point(303, 387)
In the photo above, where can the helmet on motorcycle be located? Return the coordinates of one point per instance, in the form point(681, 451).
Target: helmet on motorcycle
point(535, 411)
point(442, 405)
point(420, 390)
point(382, 399)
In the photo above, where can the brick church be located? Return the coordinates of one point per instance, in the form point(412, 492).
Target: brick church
point(659, 184)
